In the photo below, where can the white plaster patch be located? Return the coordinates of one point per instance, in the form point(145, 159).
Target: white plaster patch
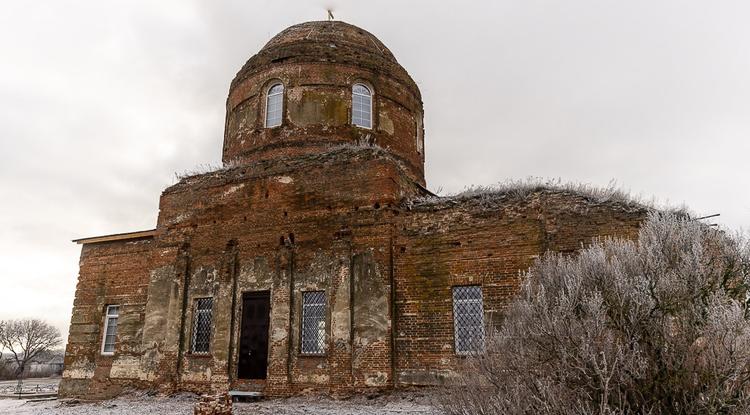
point(340, 316)
point(386, 124)
point(147, 374)
point(126, 367)
point(278, 334)
point(284, 179)
point(377, 379)
point(314, 379)
point(196, 375)
point(233, 189)
point(181, 217)
point(78, 373)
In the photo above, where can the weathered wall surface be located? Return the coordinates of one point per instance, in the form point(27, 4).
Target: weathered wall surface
point(289, 227)
point(318, 63)
point(314, 204)
point(487, 241)
point(110, 273)
point(386, 260)
point(309, 223)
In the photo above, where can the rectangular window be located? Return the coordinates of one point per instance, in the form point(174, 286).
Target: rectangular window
point(468, 319)
point(313, 322)
point(202, 326)
point(110, 329)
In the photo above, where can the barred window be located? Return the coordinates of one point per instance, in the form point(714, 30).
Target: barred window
point(361, 106)
point(313, 322)
point(202, 325)
point(110, 329)
point(468, 319)
point(274, 105)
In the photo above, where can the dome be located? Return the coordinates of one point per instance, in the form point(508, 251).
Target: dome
point(327, 41)
point(302, 93)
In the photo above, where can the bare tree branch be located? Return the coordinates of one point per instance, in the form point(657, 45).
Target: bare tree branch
point(26, 339)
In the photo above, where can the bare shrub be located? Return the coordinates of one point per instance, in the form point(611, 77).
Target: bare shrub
point(660, 325)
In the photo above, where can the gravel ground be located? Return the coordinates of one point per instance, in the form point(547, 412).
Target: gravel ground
point(393, 404)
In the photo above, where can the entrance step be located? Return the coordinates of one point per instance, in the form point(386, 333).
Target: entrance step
point(244, 395)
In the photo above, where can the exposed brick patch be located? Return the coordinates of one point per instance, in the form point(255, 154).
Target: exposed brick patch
point(220, 404)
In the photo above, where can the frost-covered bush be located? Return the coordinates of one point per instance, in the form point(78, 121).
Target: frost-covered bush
point(660, 325)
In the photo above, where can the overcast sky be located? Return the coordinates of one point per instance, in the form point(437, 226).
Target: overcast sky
point(101, 102)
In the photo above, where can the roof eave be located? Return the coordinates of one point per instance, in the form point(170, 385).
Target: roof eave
point(117, 237)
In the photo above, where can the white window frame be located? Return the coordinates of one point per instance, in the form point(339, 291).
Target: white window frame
point(269, 95)
point(108, 315)
point(456, 318)
point(196, 317)
point(372, 109)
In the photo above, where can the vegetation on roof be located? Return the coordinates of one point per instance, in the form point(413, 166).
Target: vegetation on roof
point(523, 189)
point(208, 171)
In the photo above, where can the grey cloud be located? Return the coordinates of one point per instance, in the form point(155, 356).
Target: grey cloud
point(101, 102)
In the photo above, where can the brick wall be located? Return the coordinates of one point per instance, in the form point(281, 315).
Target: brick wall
point(386, 260)
point(110, 274)
point(315, 204)
point(318, 77)
point(486, 241)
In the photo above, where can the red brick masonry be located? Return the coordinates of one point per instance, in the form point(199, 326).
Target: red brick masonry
point(315, 204)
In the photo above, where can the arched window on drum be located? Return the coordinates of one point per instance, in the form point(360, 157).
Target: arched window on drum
point(274, 105)
point(361, 106)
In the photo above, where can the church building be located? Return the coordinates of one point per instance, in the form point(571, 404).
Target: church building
point(315, 259)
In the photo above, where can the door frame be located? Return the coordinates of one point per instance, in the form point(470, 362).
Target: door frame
point(243, 295)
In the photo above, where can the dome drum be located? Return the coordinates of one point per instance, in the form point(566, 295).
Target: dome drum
point(317, 103)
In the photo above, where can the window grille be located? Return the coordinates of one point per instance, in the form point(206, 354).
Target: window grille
point(202, 325)
point(313, 322)
point(110, 329)
point(468, 319)
point(274, 105)
point(361, 106)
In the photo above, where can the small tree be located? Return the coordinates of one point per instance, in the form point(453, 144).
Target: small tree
point(660, 325)
point(27, 339)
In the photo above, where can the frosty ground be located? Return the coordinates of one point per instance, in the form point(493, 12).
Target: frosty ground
point(402, 403)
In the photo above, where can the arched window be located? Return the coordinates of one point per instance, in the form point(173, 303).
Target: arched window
point(274, 105)
point(361, 106)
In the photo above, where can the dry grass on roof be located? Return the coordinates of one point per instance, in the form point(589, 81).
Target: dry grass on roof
point(207, 171)
point(524, 189)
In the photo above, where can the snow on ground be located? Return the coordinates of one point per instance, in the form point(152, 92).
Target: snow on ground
point(405, 403)
point(120, 406)
point(397, 403)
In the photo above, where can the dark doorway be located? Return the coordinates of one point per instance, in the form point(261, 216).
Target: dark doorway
point(253, 359)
